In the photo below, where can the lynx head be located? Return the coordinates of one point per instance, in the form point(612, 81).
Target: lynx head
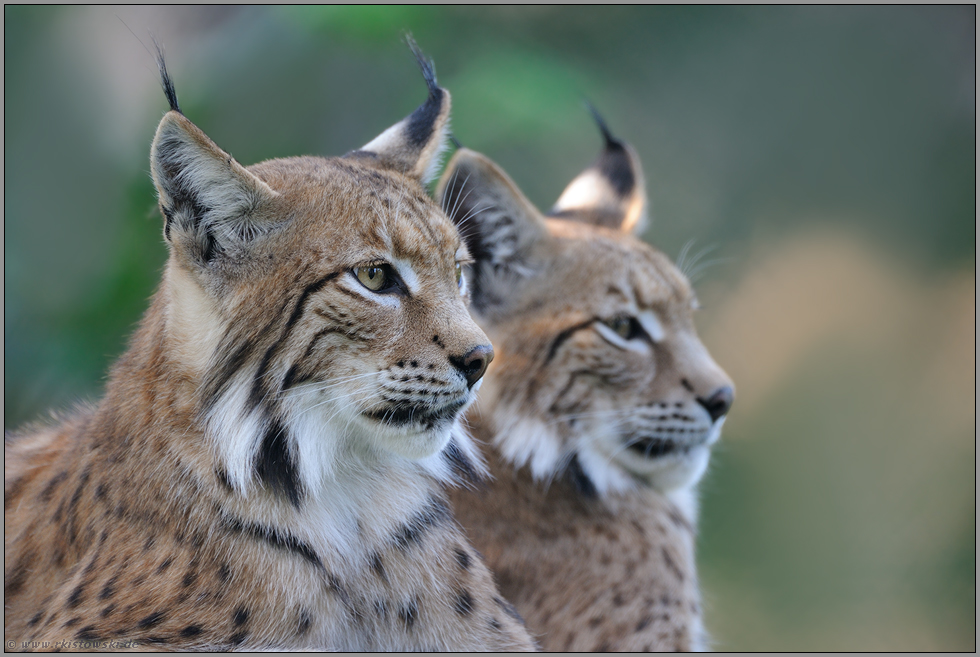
point(599, 371)
point(318, 304)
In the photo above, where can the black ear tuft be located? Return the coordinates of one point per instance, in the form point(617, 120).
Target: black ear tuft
point(426, 65)
point(610, 192)
point(614, 162)
point(168, 84)
point(413, 145)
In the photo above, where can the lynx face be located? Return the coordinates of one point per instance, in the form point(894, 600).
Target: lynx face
point(320, 302)
point(599, 370)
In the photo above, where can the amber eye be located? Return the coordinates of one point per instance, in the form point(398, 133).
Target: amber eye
point(459, 275)
point(372, 277)
point(622, 326)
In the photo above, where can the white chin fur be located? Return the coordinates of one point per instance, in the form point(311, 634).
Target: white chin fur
point(528, 441)
point(326, 435)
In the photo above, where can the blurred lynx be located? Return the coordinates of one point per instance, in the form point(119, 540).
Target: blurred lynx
point(599, 410)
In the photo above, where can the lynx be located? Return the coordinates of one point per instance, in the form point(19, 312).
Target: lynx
point(598, 412)
point(265, 469)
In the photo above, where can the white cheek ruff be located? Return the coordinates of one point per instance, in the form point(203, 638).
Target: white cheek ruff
point(236, 435)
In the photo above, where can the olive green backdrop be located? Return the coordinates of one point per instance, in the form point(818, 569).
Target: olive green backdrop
point(822, 160)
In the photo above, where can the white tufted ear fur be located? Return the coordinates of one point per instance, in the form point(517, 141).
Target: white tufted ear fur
point(610, 192)
point(211, 203)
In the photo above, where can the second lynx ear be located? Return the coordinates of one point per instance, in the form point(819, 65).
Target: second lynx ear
point(610, 192)
point(497, 222)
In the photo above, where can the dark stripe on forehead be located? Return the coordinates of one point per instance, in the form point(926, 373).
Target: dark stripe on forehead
point(564, 335)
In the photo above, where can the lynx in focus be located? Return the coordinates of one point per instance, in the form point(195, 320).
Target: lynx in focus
point(265, 470)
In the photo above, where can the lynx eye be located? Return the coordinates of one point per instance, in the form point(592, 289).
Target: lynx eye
point(459, 275)
point(624, 327)
point(373, 277)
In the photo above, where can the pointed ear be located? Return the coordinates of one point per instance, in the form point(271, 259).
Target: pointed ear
point(499, 225)
point(610, 192)
point(414, 144)
point(211, 203)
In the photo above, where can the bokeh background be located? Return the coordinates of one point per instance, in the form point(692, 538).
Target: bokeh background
point(822, 160)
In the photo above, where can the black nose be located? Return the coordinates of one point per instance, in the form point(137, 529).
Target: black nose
point(474, 364)
point(719, 402)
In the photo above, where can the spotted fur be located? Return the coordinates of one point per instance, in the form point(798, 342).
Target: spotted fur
point(598, 412)
point(266, 468)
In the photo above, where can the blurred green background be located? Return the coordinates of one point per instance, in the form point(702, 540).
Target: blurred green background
point(822, 157)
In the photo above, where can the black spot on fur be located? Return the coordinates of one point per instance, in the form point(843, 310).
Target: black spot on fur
point(409, 613)
point(434, 514)
point(460, 464)
point(107, 611)
point(304, 622)
point(189, 578)
point(378, 566)
point(152, 620)
point(15, 578)
point(75, 598)
point(109, 589)
point(191, 631)
point(48, 491)
point(580, 480)
point(275, 465)
point(238, 638)
point(71, 622)
point(224, 480)
point(671, 564)
point(35, 619)
point(240, 617)
point(462, 558)
point(224, 573)
point(643, 623)
point(87, 633)
point(464, 603)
